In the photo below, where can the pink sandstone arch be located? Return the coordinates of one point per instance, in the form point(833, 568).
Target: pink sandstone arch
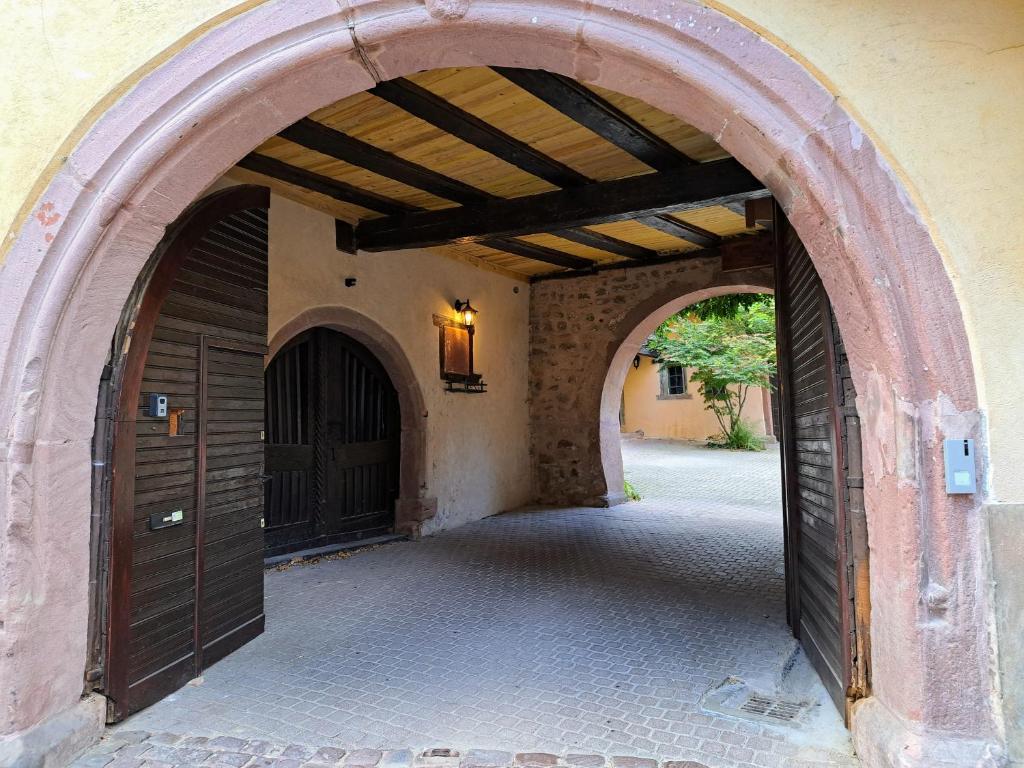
point(643, 319)
point(72, 266)
point(411, 508)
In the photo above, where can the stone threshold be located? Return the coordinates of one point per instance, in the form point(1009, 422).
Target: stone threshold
point(140, 749)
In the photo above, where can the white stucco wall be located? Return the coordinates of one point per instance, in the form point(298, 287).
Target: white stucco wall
point(477, 445)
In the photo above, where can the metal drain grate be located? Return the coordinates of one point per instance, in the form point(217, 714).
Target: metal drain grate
point(440, 752)
point(777, 709)
point(734, 698)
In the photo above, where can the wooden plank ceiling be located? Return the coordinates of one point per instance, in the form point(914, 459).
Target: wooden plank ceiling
point(597, 177)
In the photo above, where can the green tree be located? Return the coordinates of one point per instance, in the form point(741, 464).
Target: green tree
point(729, 347)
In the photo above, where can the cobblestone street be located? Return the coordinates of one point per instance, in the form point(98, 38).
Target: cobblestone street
point(569, 633)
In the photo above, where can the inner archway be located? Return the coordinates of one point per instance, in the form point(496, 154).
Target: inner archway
point(411, 506)
point(327, 394)
point(183, 125)
point(646, 317)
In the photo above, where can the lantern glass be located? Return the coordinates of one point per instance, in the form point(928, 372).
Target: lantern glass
point(466, 312)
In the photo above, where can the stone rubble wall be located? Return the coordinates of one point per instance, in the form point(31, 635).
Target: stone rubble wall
point(583, 331)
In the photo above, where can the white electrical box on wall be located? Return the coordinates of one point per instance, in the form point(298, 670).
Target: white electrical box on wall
point(961, 476)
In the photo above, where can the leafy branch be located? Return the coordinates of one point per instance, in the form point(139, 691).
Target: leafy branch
point(729, 347)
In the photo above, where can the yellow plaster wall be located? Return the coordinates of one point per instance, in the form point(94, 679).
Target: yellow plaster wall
point(64, 62)
point(936, 83)
point(675, 419)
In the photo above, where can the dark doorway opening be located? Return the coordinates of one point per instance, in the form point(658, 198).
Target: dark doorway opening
point(333, 444)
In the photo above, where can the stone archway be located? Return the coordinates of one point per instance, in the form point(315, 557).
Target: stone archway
point(606, 317)
point(611, 449)
point(411, 508)
point(184, 124)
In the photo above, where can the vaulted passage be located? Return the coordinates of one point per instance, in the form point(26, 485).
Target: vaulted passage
point(413, 310)
point(426, 180)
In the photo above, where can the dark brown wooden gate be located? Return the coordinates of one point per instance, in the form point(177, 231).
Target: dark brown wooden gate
point(333, 438)
point(826, 539)
point(186, 575)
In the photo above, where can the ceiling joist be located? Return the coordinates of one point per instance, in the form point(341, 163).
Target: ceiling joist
point(498, 222)
point(430, 108)
point(695, 186)
point(328, 141)
point(579, 103)
point(324, 185)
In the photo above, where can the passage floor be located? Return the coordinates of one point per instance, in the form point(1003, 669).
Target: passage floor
point(562, 631)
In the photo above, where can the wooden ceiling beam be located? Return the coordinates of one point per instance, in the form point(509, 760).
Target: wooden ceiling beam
point(333, 143)
point(751, 251)
point(346, 236)
point(579, 103)
point(537, 252)
point(603, 242)
point(681, 229)
point(325, 185)
point(431, 108)
point(695, 186)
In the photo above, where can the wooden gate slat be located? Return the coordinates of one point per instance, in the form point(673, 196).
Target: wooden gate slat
point(157, 573)
point(816, 467)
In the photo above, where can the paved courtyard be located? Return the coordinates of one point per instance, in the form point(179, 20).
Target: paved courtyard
point(552, 634)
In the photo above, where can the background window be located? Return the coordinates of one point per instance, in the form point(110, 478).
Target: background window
point(676, 380)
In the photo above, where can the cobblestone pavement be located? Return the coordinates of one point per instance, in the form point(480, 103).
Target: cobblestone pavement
point(570, 632)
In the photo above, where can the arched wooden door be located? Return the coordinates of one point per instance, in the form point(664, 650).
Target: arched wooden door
point(186, 545)
point(333, 441)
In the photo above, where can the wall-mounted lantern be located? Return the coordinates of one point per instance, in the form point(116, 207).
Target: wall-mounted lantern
point(456, 349)
point(466, 311)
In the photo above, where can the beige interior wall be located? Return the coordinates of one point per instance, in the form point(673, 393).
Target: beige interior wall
point(676, 419)
point(935, 83)
point(477, 445)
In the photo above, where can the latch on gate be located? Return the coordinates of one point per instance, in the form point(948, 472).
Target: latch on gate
point(166, 519)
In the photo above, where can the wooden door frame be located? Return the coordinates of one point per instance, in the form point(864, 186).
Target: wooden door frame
point(140, 320)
